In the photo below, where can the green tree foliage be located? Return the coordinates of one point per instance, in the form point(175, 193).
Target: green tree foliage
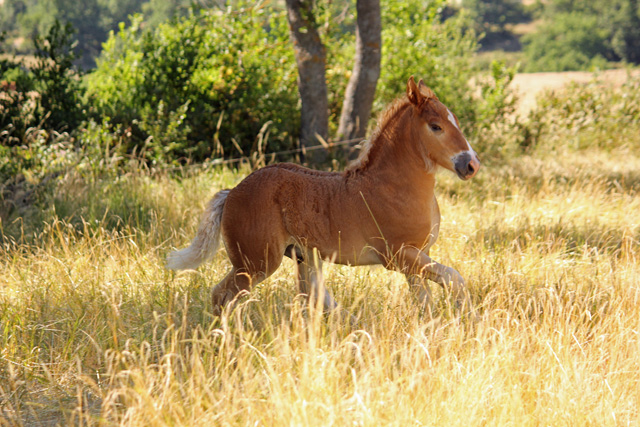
point(48, 95)
point(200, 85)
point(572, 41)
point(492, 16)
point(416, 41)
point(59, 104)
point(38, 106)
point(206, 84)
point(156, 12)
point(579, 34)
point(92, 19)
point(222, 82)
point(16, 108)
point(624, 21)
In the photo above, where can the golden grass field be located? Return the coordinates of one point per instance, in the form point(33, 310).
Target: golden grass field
point(94, 330)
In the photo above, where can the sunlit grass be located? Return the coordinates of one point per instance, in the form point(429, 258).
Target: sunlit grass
point(94, 330)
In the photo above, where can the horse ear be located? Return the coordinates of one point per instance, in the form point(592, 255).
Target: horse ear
point(425, 91)
point(413, 92)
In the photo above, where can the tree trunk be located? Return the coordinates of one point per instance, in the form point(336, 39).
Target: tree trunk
point(311, 58)
point(361, 89)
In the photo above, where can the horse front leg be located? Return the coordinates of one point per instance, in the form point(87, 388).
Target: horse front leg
point(418, 266)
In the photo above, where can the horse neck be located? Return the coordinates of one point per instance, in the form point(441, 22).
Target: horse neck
point(396, 152)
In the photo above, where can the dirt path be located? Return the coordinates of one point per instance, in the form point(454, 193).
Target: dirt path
point(529, 85)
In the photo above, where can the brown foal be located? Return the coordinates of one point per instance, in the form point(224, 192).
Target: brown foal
point(381, 210)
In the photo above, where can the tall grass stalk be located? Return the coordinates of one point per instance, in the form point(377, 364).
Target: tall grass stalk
point(94, 330)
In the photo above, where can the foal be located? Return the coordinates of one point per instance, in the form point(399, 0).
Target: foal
point(380, 210)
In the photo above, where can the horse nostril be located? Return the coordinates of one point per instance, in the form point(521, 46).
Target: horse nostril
point(466, 165)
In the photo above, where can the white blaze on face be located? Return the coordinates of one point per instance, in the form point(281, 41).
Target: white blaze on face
point(453, 121)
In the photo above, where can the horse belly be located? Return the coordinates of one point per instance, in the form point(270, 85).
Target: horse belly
point(365, 255)
point(335, 237)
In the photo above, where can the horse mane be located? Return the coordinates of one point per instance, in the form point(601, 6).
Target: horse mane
point(370, 148)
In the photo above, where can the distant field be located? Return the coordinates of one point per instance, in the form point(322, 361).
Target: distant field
point(530, 85)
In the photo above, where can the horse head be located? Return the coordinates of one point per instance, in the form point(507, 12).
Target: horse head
point(439, 132)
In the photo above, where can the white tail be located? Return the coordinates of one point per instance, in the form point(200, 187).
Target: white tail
point(205, 244)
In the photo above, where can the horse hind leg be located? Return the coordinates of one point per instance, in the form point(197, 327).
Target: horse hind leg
point(311, 283)
point(309, 273)
point(247, 271)
point(228, 288)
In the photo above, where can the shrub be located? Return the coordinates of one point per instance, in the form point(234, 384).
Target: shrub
point(200, 85)
point(494, 111)
point(585, 116)
point(416, 40)
point(571, 41)
point(580, 34)
point(492, 16)
point(59, 97)
point(16, 106)
point(204, 85)
point(47, 96)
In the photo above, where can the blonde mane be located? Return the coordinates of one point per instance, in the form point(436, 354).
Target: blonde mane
point(387, 117)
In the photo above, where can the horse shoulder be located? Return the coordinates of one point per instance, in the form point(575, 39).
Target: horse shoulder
point(406, 217)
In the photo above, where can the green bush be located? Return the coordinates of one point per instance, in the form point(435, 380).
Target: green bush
point(205, 85)
point(416, 42)
point(59, 105)
point(221, 82)
point(571, 41)
point(48, 95)
point(16, 106)
point(582, 34)
point(201, 85)
point(492, 16)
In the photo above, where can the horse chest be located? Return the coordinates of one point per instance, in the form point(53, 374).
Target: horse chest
point(430, 226)
point(413, 221)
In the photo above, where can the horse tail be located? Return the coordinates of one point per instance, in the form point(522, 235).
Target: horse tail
point(205, 244)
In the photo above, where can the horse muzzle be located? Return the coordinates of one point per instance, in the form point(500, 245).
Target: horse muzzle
point(466, 164)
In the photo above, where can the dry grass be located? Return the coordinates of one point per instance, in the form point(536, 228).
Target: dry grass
point(94, 331)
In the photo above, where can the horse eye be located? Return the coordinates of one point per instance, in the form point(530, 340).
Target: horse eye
point(435, 127)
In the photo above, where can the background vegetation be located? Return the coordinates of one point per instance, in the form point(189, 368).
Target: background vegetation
point(585, 34)
point(222, 81)
point(25, 19)
point(100, 178)
point(566, 35)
